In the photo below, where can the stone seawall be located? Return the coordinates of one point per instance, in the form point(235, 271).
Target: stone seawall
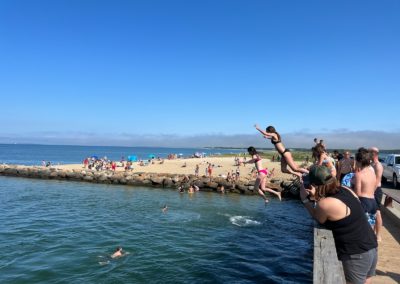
point(173, 181)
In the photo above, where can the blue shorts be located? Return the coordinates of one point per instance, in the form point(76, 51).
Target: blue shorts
point(371, 217)
point(346, 181)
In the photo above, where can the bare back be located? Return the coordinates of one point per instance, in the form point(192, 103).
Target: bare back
point(365, 182)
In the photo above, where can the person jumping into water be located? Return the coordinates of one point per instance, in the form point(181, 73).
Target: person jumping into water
point(262, 174)
point(287, 159)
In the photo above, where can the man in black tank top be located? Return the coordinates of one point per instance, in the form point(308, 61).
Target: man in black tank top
point(355, 241)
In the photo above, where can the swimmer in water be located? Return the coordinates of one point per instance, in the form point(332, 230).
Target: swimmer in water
point(118, 253)
point(165, 208)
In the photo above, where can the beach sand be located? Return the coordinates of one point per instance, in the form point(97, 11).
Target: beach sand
point(222, 165)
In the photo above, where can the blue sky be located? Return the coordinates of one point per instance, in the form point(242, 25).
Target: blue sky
point(155, 72)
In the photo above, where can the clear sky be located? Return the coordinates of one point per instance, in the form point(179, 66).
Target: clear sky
point(174, 72)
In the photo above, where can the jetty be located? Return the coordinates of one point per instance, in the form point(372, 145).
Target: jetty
point(244, 185)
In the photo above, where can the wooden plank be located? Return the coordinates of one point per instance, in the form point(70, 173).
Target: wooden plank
point(393, 193)
point(327, 268)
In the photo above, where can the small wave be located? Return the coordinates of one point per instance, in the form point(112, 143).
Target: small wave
point(183, 216)
point(104, 262)
point(243, 221)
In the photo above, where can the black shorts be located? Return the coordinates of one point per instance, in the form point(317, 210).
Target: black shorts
point(378, 197)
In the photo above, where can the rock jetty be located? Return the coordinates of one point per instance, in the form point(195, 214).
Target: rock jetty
point(160, 180)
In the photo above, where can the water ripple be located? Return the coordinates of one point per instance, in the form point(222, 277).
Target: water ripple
point(60, 232)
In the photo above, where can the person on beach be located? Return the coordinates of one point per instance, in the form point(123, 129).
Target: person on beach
point(118, 253)
point(210, 170)
point(322, 158)
point(365, 184)
point(339, 210)
point(237, 173)
point(261, 176)
point(378, 191)
point(286, 156)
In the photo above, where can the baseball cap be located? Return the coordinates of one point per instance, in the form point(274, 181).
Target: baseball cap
point(319, 175)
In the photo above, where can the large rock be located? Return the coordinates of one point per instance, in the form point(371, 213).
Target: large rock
point(53, 175)
point(123, 181)
point(10, 171)
point(157, 180)
point(167, 182)
point(212, 185)
point(88, 178)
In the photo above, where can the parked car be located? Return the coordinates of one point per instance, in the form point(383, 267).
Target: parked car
point(391, 169)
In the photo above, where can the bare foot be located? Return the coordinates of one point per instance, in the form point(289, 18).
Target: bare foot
point(379, 238)
point(279, 195)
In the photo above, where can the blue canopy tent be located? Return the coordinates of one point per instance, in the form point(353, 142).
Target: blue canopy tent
point(132, 158)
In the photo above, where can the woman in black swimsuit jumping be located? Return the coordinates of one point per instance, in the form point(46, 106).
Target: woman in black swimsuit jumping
point(287, 159)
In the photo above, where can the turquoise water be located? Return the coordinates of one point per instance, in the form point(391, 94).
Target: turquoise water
point(64, 232)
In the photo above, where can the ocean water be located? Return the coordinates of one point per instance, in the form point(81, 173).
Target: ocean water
point(64, 232)
point(61, 154)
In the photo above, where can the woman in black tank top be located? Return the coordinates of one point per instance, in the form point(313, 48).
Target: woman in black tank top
point(339, 209)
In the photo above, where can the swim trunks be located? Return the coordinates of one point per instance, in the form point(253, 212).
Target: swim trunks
point(369, 205)
point(346, 181)
point(378, 197)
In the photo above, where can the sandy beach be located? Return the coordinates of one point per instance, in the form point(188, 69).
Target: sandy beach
point(222, 165)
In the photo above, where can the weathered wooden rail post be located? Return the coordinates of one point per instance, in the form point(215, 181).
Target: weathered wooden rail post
point(327, 268)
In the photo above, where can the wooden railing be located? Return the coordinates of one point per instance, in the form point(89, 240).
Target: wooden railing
point(327, 268)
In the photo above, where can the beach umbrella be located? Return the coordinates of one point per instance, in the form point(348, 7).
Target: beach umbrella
point(132, 158)
point(94, 157)
point(151, 156)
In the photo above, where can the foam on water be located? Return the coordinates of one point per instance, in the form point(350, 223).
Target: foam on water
point(243, 221)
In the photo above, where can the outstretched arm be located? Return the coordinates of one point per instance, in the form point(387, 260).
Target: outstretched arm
point(265, 134)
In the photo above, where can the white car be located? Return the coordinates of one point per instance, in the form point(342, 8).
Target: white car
point(391, 169)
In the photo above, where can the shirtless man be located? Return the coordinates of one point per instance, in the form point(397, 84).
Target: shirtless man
point(378, 192)
point(365, 184)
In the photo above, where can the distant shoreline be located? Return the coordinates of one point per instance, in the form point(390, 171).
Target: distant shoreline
point(187, 147)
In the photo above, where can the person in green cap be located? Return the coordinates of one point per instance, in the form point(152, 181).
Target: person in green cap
point(339, 209)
